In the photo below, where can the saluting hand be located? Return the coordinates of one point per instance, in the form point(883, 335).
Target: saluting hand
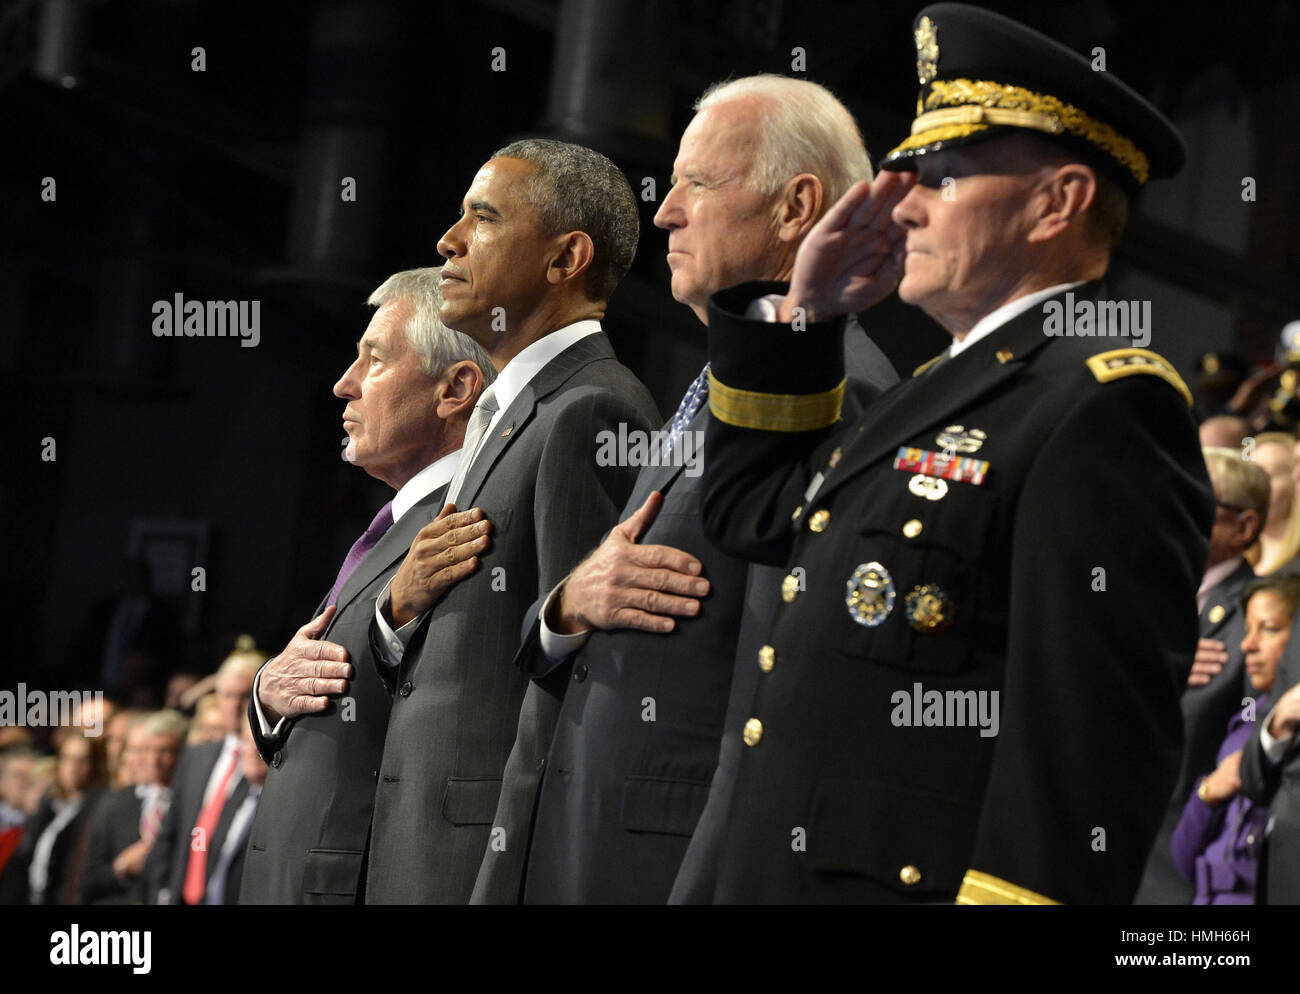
point(444, 552)
point(302, 678)
point(626, 585)
point(852, 257)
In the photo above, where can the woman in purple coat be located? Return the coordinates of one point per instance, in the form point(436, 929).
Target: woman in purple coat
point(1218, 841)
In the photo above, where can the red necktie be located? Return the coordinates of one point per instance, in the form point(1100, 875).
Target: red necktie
point(196, 873)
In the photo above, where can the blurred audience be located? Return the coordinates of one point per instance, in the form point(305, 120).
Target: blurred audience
point(129, 818)
point(1224, 431)
point(1218, 680)
point(46, 867)
point(1218, 842)
point(230, 840)
point(1279, 542)
point(208, 724)
point(207, 775)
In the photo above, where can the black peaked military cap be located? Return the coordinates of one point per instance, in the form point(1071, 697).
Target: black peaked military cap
point(983, 75)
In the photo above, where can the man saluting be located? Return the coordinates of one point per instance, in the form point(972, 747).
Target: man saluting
point(970, 688)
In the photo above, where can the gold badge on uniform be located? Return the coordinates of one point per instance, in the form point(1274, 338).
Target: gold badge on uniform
point(835, 457)
point(927, 50)
point(869, 594)
point(960, 439)
point(1216, 614)
point(929, 609)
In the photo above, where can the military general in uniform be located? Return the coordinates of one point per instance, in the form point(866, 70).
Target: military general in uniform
point(970, 689)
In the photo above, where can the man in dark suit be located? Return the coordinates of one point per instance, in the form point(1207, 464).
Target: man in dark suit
point(225, 869)
point(989, 605)
point(129, 818)
point(1218, 683)
point(547, 232)
point(206, 775)
point(409, 394)
point(636, 742)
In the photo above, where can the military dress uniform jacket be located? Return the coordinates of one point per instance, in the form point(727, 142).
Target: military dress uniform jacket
point(540, 481)
point(1206, 711)
point(308, 839)
point(1053, 560)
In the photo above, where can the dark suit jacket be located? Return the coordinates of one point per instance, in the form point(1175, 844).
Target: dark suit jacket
point(170, 855)
point(624, 786)
point(1279, 787)
point(307, 844)
point(458, 698)
point(115, 826)
point(235, 871)
point(1206, 712)
point(66, 858)
point(847, 789)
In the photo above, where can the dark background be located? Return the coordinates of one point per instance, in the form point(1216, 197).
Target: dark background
point(224, 184)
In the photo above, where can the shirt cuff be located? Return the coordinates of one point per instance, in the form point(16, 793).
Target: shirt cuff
point(267, 731)
point(1274, 749)
point(765, 308)
point(554, 645)
point(392, 641)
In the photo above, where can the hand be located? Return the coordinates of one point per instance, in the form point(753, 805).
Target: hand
point(1222, 785)
point(1286, 716)
point(443, 553)
point(626, 585)
point(297, 681)
point(1211, 656)
point(852, 257)
point(130, 861)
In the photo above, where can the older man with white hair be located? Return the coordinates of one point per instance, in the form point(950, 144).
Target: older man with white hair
point(640, 639)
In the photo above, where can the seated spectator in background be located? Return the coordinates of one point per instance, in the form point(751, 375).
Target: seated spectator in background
point(115, 736)
point(127, 822)
point(15, 777)
point(1218, 680)
point(206, 776)
point(230, 841)
point(1223, 431)
point(1218, 842)
point(1279, 543)
point(208, 724)
point(46, 868)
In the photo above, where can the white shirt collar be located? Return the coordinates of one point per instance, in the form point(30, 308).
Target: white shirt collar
point(522, 368)
point(424, 483)
point(994, 320)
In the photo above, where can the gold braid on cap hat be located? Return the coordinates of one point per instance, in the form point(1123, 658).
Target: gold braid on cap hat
point(957, 108)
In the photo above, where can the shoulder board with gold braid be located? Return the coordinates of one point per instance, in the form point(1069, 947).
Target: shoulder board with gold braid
point(1118, 363)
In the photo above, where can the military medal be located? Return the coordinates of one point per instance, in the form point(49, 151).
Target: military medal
point(939, 464)
point(959, 439)
point(869, 594)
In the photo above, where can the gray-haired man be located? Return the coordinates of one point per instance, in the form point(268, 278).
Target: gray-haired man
point(319, 712)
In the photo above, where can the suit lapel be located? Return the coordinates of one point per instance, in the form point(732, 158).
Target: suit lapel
point(389, 549)
point(1224, 600)
point(662, 477)
point(548, 379)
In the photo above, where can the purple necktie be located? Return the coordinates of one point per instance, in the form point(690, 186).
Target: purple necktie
point(361, 548)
